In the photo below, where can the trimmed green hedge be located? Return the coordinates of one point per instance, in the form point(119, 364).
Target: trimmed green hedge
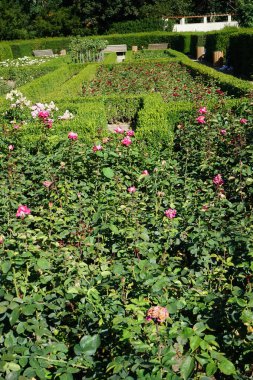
point(122, 108)
point(153, 123)
point(230, 84)
point(5, 52)
point(110, 58)
point(241, 53)
point(89, 122)
point(73, 86)
point(218, 41)
point(41, 88)
point(25, 48)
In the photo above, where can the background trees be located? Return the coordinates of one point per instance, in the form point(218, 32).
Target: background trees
point(39, 18)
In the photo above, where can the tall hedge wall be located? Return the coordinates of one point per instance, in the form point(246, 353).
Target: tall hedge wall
point(241, 53)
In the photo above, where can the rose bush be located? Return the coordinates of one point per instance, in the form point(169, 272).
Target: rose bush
point(87, 260)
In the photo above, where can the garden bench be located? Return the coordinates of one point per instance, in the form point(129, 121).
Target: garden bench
point(43, 53)
point(157, 46)
point(116, 49)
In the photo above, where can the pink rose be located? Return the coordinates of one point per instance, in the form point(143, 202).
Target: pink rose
point(73, 136)
point(217, 180)
point(157, 314)
point(47, 183)
point(43, 114)
point(145, 172)
point(96, 148)
point(202, 110)
point(223, 132)
point(130, 133)
point(11, 147)
point(243, 121)
point(170, 213)
point(48, 123)
point(131, 189)
point(119, 130)
point(16, 126)
point(126, 141)
point(201, 119)
point(22, 211)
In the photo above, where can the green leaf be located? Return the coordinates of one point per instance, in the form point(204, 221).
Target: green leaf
point(227, 367)
point(211, 368)
point(3, 309)
point(114, 229)
point(187, 367)
point(11, 367)
point(6, 266)
point(66, 376)
point(108, 173)
point(43, 264)
point(195, 342)
point(89, 344)
point(14, 316)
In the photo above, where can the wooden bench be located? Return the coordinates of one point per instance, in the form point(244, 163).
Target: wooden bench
point(43, 53)
point(115, 49)
point(162, 46)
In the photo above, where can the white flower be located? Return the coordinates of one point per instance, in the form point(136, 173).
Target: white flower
point(66, 116)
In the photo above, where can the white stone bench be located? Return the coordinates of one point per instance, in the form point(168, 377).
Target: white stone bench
point(43, 53)
point(115, 49)
point(162, 46)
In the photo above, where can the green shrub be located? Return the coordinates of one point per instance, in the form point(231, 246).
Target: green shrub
point(135, 26)
point(110, 58)
point(73, 86)
point(122, 108)
point(22, 75)
point(25, 48)
point(233, 86)
point(240, 53)
point(153, 123)
point(42, 88)
point(5, 52)
point(218, 41)
point(90, 120)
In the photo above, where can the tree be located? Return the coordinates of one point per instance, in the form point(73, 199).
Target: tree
point(245, 13)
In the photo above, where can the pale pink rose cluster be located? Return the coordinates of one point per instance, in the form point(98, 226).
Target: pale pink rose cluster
point(217, 180)
point(97, 148)
point(243, 121)
point(22, 211)
point(158, 314)
point(66, 116)
point(43, 109)
point(72, 136)
point(121, 131)
point(131, 189)
point(170, 213)
point(126, 141)
point(201, 119)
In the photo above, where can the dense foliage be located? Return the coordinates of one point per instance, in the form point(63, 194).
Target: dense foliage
point(39, 18)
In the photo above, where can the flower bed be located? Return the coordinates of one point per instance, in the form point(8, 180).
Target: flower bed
point(121, 261)
point(171, 79)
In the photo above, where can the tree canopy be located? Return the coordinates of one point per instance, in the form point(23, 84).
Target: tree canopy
point(41, 18)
